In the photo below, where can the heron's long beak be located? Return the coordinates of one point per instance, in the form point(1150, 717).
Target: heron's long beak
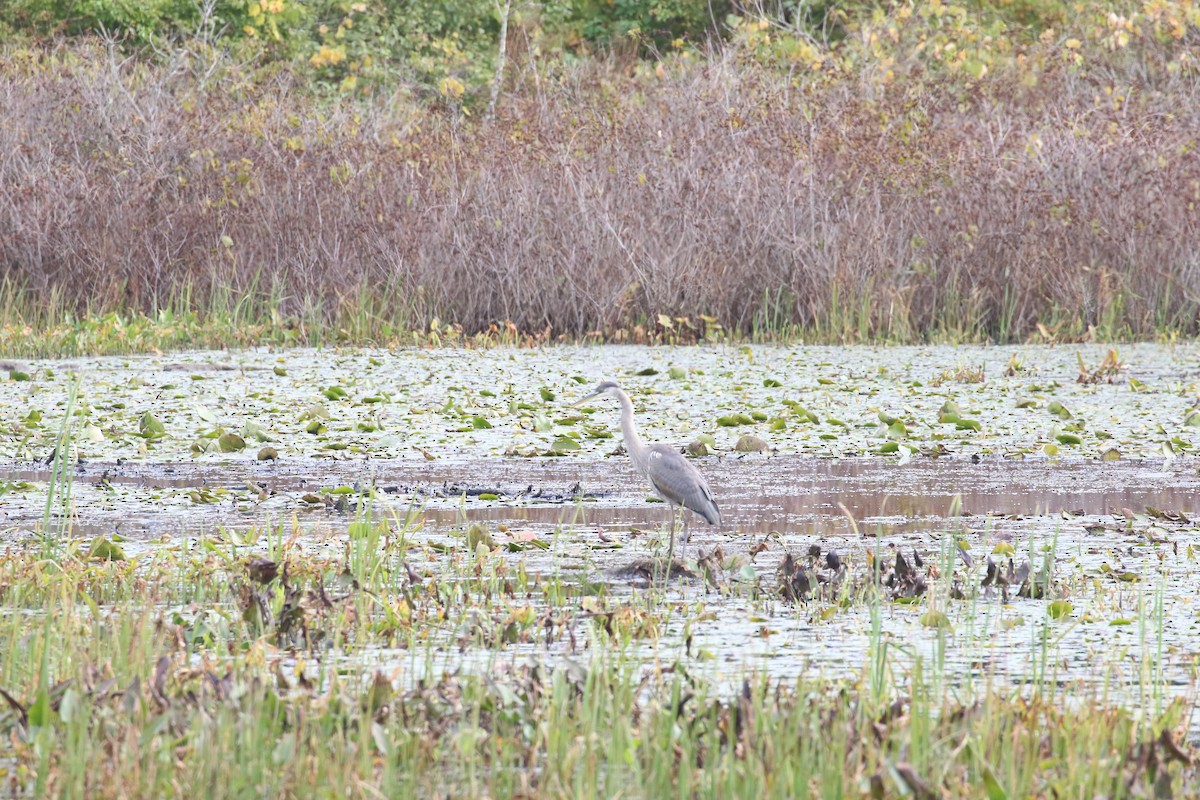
point(591, 396)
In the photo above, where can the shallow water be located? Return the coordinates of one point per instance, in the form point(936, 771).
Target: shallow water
point(1028, 479)
point(758, 494)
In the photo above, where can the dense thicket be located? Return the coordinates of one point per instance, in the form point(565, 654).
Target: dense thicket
point(920, 171)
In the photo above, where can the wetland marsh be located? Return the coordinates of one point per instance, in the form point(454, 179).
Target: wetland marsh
point(388, 572)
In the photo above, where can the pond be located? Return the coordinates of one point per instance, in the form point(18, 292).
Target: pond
point(914, 465)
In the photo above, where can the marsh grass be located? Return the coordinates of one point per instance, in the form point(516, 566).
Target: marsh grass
point(149, 678)
point(43, 326)
point(56, 519)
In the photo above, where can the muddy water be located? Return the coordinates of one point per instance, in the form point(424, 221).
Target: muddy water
point(758, 494)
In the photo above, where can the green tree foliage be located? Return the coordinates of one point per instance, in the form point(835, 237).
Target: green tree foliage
point(652, 23)
point(448, 48)
point(137, 22)
point(358, 44)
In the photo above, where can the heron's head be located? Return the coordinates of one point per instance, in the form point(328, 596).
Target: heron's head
point(604, 387)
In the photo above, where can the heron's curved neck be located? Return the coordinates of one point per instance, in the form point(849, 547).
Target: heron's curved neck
point(633, 442)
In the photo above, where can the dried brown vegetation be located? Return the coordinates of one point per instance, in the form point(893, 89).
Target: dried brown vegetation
point(911, 208)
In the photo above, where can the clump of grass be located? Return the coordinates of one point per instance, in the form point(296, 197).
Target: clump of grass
point(1107, 371)
point(963, 373)
point(56, 519)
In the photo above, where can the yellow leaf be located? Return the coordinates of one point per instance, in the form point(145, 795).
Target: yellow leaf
point(452, 87)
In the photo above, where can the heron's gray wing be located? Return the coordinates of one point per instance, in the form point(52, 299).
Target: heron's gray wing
point(677, 481)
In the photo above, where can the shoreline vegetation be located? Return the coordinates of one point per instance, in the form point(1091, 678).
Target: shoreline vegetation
point(896, 174)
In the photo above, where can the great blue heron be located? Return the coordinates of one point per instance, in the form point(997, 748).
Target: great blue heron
point(674, 479)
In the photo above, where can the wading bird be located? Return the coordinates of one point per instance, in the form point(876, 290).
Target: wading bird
point(674, 479)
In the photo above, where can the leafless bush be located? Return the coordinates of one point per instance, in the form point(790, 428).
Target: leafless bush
point(724, 190)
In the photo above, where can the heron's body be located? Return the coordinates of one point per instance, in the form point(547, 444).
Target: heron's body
point(671, 476)
point(677, 482)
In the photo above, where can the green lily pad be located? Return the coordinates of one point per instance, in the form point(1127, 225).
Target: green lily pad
point(150, 427)
point(935, 619)
point(104, 549)
point(564, 444)
point(1059, 410)
point(1060, 609)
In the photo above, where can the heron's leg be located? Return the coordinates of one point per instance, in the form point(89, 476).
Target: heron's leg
point(671, 546)
point(687, 538)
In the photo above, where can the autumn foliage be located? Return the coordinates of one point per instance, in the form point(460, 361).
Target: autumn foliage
point(922, 171)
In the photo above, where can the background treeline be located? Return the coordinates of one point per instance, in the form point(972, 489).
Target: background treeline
point(843, 171)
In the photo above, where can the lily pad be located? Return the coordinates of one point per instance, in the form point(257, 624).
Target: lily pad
point(231, 443)
point(150, 427)
point(104, 549)
point(1060, 609)
point(935, 619)
point(1059, 410)
point(749, 443)
point(563, 444)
